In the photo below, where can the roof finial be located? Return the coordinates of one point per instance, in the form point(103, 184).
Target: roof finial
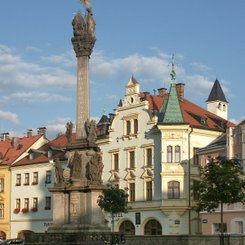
point(173, 74)
point(85, 2)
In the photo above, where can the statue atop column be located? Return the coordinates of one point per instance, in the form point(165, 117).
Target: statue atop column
point(84, 33)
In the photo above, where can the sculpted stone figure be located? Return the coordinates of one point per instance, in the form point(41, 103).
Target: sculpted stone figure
point(78, 25)
point(75, 166)
point(90, 127)
point(69, 127)
point(90, 22)
point(58, 172)
point(95, 168)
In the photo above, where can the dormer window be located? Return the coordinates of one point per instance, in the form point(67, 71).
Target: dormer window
point(31, 156)
point(50, 153)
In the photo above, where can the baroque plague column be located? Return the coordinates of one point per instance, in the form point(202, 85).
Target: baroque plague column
point(79, 183)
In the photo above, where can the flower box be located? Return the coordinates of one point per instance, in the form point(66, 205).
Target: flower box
point(25, 210)
point(16, 210)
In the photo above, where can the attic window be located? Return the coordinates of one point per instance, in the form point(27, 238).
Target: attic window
point(31, 156)
point(50, 153)
point(203, 121)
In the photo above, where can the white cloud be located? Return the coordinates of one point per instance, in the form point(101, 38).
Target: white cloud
point(30, 97)
point(9, 116)
point(67, 59)
point(200, 67)
point(16, 73)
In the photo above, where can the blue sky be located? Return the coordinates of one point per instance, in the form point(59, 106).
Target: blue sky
point(38, 65)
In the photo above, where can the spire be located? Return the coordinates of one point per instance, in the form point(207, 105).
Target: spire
point(216, 93)
point(173, 73)
point(171, 111)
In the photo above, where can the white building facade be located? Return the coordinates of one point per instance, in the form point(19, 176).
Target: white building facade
point(150, 150)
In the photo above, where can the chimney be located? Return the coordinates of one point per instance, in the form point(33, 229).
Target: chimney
point(41, 130)
point(29, 133)
point(15, 142)
point(4, 137)
point(162, 92)
point(180, 87)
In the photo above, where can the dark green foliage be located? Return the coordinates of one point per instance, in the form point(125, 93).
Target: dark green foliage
point(113, 200)
point(221, 183)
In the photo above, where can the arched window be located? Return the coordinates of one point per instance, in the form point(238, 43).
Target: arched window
point(177, 153)
point(173, 190)
point(169, 153)
point(224, 107)
point(153, 227)
point(2, 235)
point(127, 228)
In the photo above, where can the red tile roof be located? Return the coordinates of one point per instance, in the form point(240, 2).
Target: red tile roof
point(193, 114)
point(11, 151)
point(60, 143)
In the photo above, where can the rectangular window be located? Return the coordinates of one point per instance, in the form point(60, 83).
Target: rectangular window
point(18, 179)
point(137, 218)
point(48, 177)
point(1, 210)
point(148, 190)
point(169, 153)
point(26, 203)
point(132, 192)
point(195, 156)
point(116, 161)
point(132, 159)
point(173, 190)
point(149, 157)
point(35, 178)
point(47, 203)
point(128, 127)
point(239, 227)
point(34, 204)
point(27, 179)
point(17, 203)
point(1, 184)
point(177, 153)
point(135, 126)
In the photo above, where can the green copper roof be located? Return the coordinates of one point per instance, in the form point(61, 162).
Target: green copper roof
point(171, 111)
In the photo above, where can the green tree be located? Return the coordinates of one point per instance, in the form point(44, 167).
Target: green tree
point(113, 201)
point(221, 182)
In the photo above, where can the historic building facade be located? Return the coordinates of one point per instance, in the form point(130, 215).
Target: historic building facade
point(231, 145)
point(11, 151)
point(149, 148)
point(31, 177)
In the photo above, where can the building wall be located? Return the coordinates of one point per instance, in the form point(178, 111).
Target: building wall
point(173, 214)
point(5, 200)
point(33, 220)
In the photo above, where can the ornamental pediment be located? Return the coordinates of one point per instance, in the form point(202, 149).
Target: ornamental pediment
point(148, 173)
point(130, 175)
point(114, 177)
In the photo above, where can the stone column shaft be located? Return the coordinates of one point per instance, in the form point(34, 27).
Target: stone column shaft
point(83, 96)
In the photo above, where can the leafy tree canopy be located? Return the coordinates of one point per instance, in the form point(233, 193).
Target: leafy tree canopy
point(221, 182)
point(113, 200)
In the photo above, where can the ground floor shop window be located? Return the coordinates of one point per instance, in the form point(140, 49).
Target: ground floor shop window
point(153, 227)
point(127, 228)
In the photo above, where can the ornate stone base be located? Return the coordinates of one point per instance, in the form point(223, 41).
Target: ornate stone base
point(75, 209)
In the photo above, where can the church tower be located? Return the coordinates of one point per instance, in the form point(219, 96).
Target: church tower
point(216, 102)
